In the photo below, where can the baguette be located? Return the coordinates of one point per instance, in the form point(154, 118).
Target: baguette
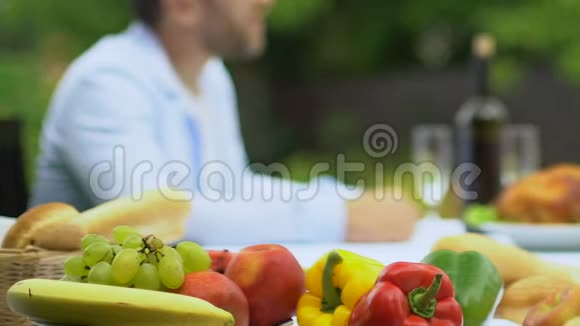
point(162, 213)
point(512, 262)
point(573, 322)
point(58, 226)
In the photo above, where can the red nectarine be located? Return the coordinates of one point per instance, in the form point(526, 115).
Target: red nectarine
point(272, 280)
point(220, 259)
point(218, 290)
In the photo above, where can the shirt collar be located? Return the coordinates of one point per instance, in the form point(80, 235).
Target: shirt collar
point(157, 60)
point(167, 77)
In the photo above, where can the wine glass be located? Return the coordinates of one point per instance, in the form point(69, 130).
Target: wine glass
point(520, 149)
point(432, 154)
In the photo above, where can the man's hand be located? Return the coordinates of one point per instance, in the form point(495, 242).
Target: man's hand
point(371, 219)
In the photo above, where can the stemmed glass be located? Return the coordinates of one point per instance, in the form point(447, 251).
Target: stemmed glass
point(432, 155)
point(520, 152)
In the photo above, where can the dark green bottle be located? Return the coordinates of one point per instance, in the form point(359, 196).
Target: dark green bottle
point(479, 124)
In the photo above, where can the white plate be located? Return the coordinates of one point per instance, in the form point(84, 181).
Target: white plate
point(538, 237)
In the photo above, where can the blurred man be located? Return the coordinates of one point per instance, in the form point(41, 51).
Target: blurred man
point(154, 106)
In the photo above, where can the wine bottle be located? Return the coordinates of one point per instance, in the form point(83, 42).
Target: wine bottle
point(479, 124)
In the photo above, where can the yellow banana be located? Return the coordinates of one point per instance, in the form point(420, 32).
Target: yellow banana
point(69, 303)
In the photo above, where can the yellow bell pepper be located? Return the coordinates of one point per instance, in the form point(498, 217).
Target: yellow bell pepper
point(334, 285)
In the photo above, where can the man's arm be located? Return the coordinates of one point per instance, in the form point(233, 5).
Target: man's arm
point(269, 210)
point(373, 218)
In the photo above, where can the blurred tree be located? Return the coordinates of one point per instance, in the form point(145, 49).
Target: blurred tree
point(26, 24)
point(538, 31)
point(37, 41)
point(293, 17)
point(311, 37)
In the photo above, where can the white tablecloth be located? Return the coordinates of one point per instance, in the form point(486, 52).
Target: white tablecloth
point(426, 234)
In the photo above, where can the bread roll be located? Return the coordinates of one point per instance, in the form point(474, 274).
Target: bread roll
point(59, 236)
point(524, 294)
point(516, 314)
point(38, 220)
point(529, 291)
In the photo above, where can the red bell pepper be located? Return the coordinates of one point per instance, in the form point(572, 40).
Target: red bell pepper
point(409, 294)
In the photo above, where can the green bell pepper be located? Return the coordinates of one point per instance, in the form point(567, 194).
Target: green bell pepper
point(476, 281)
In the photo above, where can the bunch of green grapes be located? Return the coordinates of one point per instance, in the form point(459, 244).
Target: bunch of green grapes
point(135, 261)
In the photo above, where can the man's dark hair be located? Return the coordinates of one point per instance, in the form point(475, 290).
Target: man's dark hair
point(147, 10)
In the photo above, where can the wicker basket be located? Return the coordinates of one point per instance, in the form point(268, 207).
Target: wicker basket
point(21, 264)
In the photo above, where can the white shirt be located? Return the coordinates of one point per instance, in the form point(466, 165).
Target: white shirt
point(121, 106)
point(202, 113)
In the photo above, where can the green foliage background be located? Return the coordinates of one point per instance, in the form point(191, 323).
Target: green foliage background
point(309, 39)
